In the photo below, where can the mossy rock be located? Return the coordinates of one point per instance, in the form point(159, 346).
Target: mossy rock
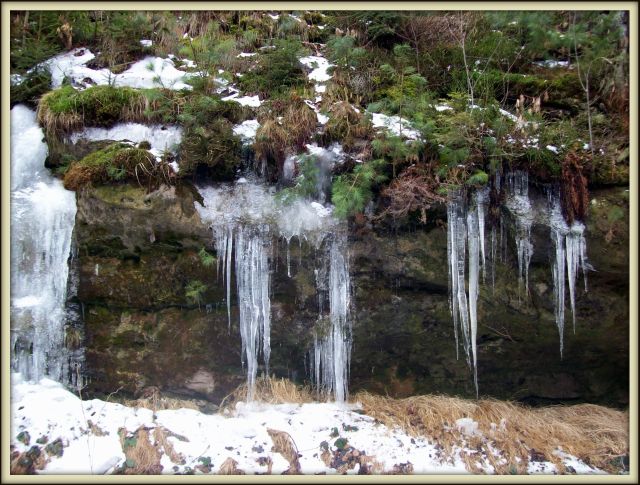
point(115, 163)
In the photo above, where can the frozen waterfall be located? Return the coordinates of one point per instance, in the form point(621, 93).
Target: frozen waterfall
point(42, 220)
point(247, 218)
point(332, 341)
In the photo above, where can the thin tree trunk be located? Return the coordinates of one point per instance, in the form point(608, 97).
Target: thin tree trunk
point(25, 26)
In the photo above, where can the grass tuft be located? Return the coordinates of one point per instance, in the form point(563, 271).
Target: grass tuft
point(595, 434)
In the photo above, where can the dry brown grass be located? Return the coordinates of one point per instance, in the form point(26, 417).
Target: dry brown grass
point(285, 127)
point(283, 443)
point(230, 467)
point(143, 457)
point(346, 124)
point(272, 391)
point(161, 436)
point(595, 434)
point(152, 399)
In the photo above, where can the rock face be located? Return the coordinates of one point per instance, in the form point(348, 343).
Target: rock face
point(138, 255)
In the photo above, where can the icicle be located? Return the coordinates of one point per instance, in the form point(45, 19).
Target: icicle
point(575, 253)
point(453, 270)
point(227, 258)
point(252, 275)
point(464, 227)
point(252, 246)
point(288, 259)
point(481, 197)
point(520, 206)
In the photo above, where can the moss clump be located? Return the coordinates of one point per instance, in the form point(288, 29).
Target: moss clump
point(118, 162)
point(66, 109)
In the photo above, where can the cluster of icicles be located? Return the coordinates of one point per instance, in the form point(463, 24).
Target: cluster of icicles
point(466, 250)
point(246, 247)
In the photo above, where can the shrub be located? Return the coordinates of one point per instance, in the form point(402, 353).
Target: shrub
point(279, 70)
point(346, 124)
point(33, 86)
point(209, 146)
point(351, 192)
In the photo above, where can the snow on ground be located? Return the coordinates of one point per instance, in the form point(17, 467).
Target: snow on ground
point(319, 66)
point(160, 137)
point(253, 101)
point(46, 411)
point(247, 131)
point(147, 73)
point(319, 75)
point(551, 64)
point(395, 125)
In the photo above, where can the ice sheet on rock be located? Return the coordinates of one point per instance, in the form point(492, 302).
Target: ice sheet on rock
point(160, 137)
point(319, 71)
point(254, 203)
point(395, 125)
point(332, 347)
point(247, 131)
point(72, 64)
point(42, 220)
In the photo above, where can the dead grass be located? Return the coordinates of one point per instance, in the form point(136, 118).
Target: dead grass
point(272, 391)
point(346, 124)
point(142, 456)
point(285, 127)
point(230, 467)
point(161, 436)
point(595, 434)
point(283, 443)
point(152, 399)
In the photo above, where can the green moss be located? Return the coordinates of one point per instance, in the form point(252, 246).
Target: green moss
point(66, 109)
point(117, 162)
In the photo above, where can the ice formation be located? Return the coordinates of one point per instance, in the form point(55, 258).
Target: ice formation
point(149, 72)
point(570, 255)
point(42, 221)
point(246, 217)
point(463, 229)
point(332, 343)
point(517, 184)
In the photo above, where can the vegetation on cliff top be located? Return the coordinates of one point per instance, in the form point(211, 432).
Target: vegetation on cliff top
point(543, 91)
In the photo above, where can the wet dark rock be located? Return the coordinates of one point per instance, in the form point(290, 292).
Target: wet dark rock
point(137, 252)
